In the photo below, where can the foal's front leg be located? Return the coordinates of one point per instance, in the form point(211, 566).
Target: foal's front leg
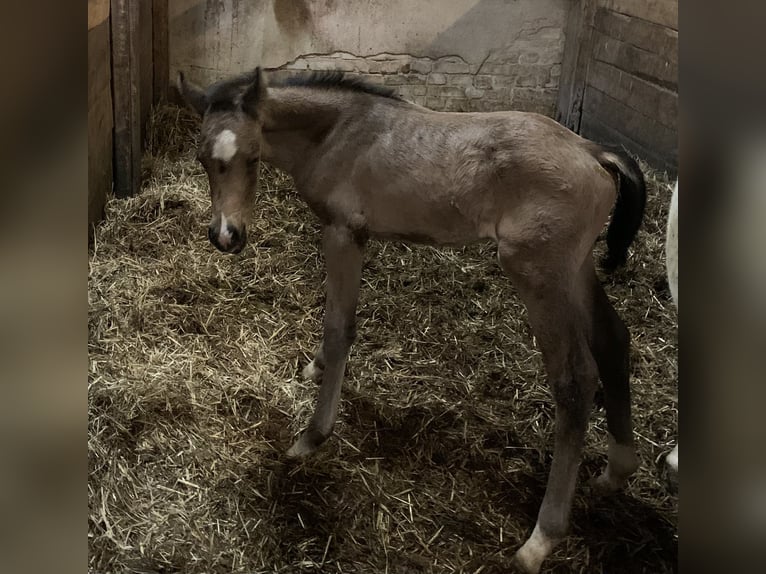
point(343, 258)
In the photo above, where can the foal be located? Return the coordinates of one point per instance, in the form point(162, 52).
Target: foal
point(372, 165)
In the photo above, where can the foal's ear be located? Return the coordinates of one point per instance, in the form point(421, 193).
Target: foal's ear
point(256, 92)
point(193, 96)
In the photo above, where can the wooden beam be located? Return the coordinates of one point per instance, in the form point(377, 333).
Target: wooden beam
point(98, 11)
point(126, 80)
point(145, 50)
point(664, 12)
point(160, 48)
point(577, 57)
point(99, 123)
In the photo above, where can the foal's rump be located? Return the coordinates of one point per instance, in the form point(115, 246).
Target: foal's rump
point(454, 178)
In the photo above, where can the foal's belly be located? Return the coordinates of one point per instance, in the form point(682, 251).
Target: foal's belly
point(420, 218)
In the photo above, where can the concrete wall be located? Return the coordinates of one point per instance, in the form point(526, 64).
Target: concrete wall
point(462, 55)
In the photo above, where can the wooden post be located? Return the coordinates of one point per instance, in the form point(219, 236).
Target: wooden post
point(99, 111)
point(145, 52)
point(160, 49)
point(126, 79)
point(577, 57)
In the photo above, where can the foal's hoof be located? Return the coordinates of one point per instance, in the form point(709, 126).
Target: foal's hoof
point(605, 485)
point(521, 565)
point(307, 444)
point(312, 372)
point(671, 471)
point(671, 478)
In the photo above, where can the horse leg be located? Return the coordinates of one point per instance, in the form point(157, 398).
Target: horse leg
point(343, 258)
point(315, 369)
point(558, 317)
point(611, 349)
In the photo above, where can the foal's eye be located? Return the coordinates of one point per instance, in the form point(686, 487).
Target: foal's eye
point(221, 167)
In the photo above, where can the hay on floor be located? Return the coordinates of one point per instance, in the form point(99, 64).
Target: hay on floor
point(442, 450)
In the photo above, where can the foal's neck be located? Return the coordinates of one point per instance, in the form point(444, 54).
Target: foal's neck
point(295, 123)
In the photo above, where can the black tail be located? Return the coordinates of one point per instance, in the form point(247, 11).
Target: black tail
point(629, 210)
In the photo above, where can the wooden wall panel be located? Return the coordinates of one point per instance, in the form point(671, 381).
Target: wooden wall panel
point(146, 71)
point(663, 12)
point(643, 34)
point(638, 132)
point(127, 97)
point(99, 121)
point(640, 95)
point(574, 67)
point(160, 49)
point(628, 67)
point(656, 68)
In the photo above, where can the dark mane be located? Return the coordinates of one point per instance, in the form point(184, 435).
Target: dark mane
point(335, 79)
point(222, 96)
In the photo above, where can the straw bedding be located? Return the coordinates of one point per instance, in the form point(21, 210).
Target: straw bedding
point(443, 444)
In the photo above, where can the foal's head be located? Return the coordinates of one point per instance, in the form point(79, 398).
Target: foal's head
point(230, 151)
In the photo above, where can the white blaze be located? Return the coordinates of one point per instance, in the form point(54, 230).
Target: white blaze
point(225, 146)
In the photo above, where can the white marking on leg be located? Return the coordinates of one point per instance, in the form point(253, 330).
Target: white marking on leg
point(311, 371)
point(535, 550)
point(671, 246)
point(672, 459)
point(622, 463)
point(225, 146)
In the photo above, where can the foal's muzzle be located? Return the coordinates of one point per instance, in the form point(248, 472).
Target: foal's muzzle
point(229, 239)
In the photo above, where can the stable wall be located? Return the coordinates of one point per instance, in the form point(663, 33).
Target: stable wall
point(99, 110)
point(461, 55)
point(620, 76)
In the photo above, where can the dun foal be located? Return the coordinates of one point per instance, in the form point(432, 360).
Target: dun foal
point(372, 165)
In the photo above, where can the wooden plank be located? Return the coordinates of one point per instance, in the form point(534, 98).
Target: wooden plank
point(127, 97)
point(649, 99)
point(145, 62)
point(656, 141)
point(664, 12)
point(98, 11)
point(160, 48)
point(594, 129)
point(99, 62)
point(577, 56)
point(640, 33)
point(627, 57)
point(99, 122)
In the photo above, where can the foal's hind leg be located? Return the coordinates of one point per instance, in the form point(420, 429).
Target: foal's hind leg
point(611, 349)
point(553, 294)
point(343, 258)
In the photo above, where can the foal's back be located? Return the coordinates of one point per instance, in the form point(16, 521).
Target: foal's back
point(403, 171)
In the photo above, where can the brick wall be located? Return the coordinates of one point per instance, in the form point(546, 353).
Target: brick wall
point(524, 76)
point(454, 55)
